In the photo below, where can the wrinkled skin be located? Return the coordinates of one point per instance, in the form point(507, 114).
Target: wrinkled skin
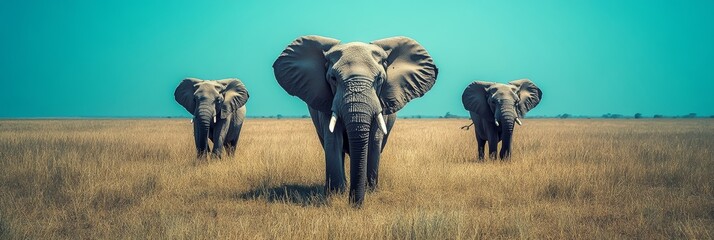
point(495, 108)
point(350, 85)
point(218, 109)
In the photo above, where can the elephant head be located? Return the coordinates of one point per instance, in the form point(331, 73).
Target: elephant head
point(211, 103)
point(357, 83)
point(503, 104)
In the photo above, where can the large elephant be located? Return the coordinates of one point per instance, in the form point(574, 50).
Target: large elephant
point(218, 109)
point(495, 107)
point(353, 91)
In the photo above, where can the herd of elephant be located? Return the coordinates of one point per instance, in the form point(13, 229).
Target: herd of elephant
point(353, 92)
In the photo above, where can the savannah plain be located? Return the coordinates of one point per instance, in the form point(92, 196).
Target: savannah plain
point(567, 179)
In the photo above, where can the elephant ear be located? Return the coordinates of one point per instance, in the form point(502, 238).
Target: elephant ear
point(410, 72)
point(235, 95)
point(475, 99)
point(184, 93)
point(301, 68)
point(529, 94)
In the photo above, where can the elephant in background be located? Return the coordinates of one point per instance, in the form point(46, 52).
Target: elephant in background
point(495, 107)
point(353, 91)
point(218, 109)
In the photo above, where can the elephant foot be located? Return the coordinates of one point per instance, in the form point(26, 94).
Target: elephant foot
point(202, 156)
point(505, 156)
point(371, 187)
point(231, 153)
point(230, 150)
point(372, 181)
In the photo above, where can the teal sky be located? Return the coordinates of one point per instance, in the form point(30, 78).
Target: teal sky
point(125, 58)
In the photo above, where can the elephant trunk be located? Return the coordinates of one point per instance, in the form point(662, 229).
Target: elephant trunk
point(358, 111)
point(508, 120)
point(358, 139)
point(201, 127)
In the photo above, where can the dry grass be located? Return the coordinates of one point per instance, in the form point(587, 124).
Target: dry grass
point(600, 179)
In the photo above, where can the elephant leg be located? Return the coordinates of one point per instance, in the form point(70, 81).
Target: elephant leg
point(489, 132)
point(225, 131)
point(202, 154)
point(228, 147)
point(504, 154)
point(230, 150)
point(218, 138)
point(232, 145)
point(374, 151)
point(492, 149)
point(481, 148)
point(335, 180)
point(208, 151)
point(480, 141)
point(216, 155)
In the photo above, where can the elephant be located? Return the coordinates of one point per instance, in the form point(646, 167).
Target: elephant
point(218, 109)
point(353, 91)
point(494, 108)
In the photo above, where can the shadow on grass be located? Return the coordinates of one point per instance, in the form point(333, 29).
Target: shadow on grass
point(304, 195)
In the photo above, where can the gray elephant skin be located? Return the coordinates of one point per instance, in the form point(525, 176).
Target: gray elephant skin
point(353, 91)
point(218, 109)
point(494, 108)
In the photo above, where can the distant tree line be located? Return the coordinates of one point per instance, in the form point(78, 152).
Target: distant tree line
point(610, 115)
point(636, 116)
point(454, 116)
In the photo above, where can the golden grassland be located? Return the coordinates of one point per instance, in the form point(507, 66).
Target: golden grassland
point(593, 179)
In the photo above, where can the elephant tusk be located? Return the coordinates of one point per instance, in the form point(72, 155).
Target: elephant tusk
point(382, 125)
point(214, 119)
point(496, 122)
point(333, 121)
point(191, 120)
point(519, 121)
